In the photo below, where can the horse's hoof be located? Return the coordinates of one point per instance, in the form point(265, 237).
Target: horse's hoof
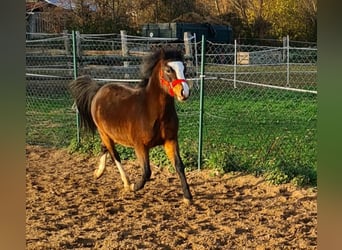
point(187, 201)
point(97, 174)
point(129, 187)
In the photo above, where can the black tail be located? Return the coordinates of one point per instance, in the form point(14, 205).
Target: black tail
point(83, 89)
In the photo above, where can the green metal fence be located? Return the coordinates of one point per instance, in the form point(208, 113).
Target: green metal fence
point(251, 108)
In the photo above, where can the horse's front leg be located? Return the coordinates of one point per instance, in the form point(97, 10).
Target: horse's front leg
point(172, 150)
point(144, 161)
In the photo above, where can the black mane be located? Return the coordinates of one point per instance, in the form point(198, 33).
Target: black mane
point(150, 61)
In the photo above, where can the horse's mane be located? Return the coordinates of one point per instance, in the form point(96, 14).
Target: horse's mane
point(150, 61)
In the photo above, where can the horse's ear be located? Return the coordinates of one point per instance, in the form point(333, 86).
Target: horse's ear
point(162, 53)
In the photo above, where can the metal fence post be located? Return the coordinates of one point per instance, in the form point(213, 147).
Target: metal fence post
point(287, 61)
point(235, 61)
point(74, 59)
point(200, 135)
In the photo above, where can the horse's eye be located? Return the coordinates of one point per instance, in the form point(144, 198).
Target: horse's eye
point(168, 70)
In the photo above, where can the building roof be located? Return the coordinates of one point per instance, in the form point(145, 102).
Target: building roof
point(71, 4)
point(34, 6)
point(65, 4)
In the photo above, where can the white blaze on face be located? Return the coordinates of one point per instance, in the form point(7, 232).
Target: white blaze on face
point(178, 67)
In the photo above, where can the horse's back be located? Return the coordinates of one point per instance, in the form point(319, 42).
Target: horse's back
point(116, 110)
point(118, 91)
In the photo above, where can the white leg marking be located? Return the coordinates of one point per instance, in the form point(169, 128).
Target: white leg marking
point(123, 175)
point(101, 167)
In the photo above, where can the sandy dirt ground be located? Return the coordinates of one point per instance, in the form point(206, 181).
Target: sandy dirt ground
point(66, 208)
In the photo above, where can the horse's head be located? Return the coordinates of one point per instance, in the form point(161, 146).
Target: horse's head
point(172, 78)
point(165, 67)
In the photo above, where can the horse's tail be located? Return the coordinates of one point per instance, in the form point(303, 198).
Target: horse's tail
point(83, 90)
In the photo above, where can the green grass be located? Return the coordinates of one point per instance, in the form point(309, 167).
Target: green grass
point(264, 132)
point(50, 121)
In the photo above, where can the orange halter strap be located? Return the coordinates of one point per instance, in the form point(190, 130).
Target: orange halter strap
point(170, 85)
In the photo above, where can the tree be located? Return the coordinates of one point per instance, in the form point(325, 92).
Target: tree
point(291, 17)
point(252, 14)
point(309, 9)
point(249, 18)
point(278, 18)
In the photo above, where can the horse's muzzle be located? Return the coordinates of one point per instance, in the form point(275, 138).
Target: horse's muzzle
point(185, 93)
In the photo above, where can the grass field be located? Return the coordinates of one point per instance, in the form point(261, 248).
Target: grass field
point(267, 132)
point(260, 131)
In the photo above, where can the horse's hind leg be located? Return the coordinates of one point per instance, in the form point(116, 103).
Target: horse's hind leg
point(102, 164)
point(110, 147)
point(124, 178)
point(172, 151)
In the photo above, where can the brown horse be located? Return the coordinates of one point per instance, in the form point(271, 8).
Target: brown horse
point(141, 117)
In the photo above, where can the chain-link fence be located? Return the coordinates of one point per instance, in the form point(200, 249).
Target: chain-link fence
point(49, 68)
point(260, 110)
point(259, 105)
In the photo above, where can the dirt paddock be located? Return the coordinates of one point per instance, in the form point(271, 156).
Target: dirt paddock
point(66, 208)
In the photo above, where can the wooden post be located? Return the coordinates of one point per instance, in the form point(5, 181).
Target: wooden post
point(284, 48)
point(124, 49)
point(187, 45)
point(188, 55)
point(78, 44)
point(66, 42)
